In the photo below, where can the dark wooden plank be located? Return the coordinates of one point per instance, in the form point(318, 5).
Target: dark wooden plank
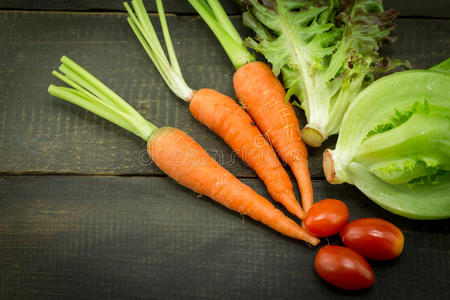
point(43, 134)
point(427, 8)
point(147, 237)
point(423, 42)
point(39, 133)
point(170, 6)
point(420, 8)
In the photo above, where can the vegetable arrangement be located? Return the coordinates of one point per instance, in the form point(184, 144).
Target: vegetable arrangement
point(326, 53)
point(262, 95)
point(173, 151)
point(218, 112)
point(394, 133)
point(371, 238)
point(394, 143)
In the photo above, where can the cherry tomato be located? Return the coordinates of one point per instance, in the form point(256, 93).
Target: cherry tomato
point(344, 268)
point(326, 217)
point(375, 239)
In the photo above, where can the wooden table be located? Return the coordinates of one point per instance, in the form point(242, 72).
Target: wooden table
point(85, 214)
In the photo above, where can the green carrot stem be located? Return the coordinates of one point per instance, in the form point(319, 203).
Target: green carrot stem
point(224, 20)
point(76, 86)
point(167, 39)
point(143, 29)
point(214, 15)
point(101, 90)
point(91, 94)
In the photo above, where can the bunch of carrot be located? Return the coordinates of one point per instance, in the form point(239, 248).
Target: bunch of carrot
point(218, 112)
point(173, 151)
point(260, 93)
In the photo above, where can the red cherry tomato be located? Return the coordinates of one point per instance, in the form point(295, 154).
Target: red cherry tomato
point(375, 239)
point(326, 217)
point(344, 268)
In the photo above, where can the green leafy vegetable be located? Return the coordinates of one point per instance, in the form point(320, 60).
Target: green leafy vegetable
point(326, 51)
point(394, 143)
point(400, 118)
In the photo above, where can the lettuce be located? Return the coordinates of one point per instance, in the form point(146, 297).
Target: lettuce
point(326, 51)
point(394, 143)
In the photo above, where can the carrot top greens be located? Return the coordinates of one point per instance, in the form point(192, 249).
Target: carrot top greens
point(145, 32)
point(213, 14)
point(91, 94)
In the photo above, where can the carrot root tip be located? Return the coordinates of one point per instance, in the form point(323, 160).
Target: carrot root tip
point(313, 241)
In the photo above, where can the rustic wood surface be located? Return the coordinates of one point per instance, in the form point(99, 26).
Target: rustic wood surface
point(415, 8)
point(142, 235)
point(147, 237)
point(42, 134)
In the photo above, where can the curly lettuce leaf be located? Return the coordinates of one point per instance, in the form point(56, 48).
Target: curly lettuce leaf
point(436, 178)
point(326, 51)
point(400, 118)
point(409, 151)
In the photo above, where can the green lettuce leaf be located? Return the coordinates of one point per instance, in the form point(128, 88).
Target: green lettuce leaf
point(326, 51)
point(400, 118)
point(394, 143)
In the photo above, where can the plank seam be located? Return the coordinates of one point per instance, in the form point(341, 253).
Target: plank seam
point(81, 174)
point(168, 13)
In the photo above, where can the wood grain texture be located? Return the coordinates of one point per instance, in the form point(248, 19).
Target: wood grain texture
point(41, 134)
point(426, 8)
point(128, 237)
point(147, 237)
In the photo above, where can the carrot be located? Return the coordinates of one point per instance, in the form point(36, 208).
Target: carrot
point(195, 169)
point(263, 97)
point(227, 119)
point(218, 112)
point(262, 94)
point(173, 151)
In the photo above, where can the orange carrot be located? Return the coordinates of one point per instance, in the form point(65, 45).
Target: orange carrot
point(262, 95)
point(180, 157)
point(173, 151)
point(227, 119)
point(218, 112)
